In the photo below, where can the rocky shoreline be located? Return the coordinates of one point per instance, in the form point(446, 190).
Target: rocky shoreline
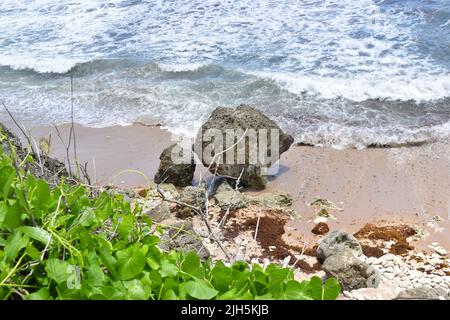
point(217, 219)
point(409, 274)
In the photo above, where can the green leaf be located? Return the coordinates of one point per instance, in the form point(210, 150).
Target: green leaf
point(16, 242)
point(32, 252)
point(7, 176)
point(315, 284)
point(152, 263)
point(168, 269)
point(328, 291)
point(3, 211)
point(58, 270)
point(37, 234)
point(276, 278)
point(106, 293)
point(41, 294)
point(170, 295)
point(109, 261)
point(135, 290)
point(42, 199)
point(13, 216)
point(331, 289)
point(130, 262)
point(199, 290)
point(87, 218)
point(191, 265)
point(229, 295)
point(222, 277)
point(297, 291)
point(126, 226)
point(95, 275)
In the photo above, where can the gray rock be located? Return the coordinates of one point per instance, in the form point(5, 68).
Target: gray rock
point(272, 200)
point(192, 196)
point(181, 236)
point(423, 293)
point(169, 189)
point(180, 175)
point(240, 119)
point(160, 212)
point(223, 186)
point(11, 140)
point(231, 199)
point(337, 241)
point(350, 271)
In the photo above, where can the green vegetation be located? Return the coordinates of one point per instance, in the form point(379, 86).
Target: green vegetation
point(63, 243)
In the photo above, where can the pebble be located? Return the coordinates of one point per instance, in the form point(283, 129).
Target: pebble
point(389, 269)
point(441, 251)
point(320, 220)
point(239, 257)
point(389, 276)
point(437, 280)
point(396, 271)
point(347, 294)
point(424, 281)
point(376, 261)
point(436, 256)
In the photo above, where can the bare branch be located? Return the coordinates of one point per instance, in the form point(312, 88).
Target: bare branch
point(21, 129)
point(301, 255)
point(67, 150)
point(257, 224)
point(202, 214)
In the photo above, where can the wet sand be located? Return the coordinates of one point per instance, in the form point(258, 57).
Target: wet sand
point(409, 184)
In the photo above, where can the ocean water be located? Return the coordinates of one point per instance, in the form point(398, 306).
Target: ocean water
point(341, 73)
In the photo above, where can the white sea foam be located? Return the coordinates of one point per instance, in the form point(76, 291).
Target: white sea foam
point(342, 137)
point(41, 65)
point(180, 67)
point(327, 56)
point(364, 87)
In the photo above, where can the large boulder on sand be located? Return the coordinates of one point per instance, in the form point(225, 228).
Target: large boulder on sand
point(225, 127)
point(337, 241)
point(350, 271)
point(180, 174)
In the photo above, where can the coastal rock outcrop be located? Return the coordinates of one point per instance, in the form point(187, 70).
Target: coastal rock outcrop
point(192, 196)
point(272, 200)
point(182, 236)
point(224, 128)
point(43, 166)
point(335, 242)
point(179, 174)
point(160, 212)
point(350, 271)
point(230, 200)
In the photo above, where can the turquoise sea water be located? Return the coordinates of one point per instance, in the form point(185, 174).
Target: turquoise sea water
point(343, 73)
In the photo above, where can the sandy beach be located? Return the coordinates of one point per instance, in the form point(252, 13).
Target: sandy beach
point(406, 184)
point(215, 150)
